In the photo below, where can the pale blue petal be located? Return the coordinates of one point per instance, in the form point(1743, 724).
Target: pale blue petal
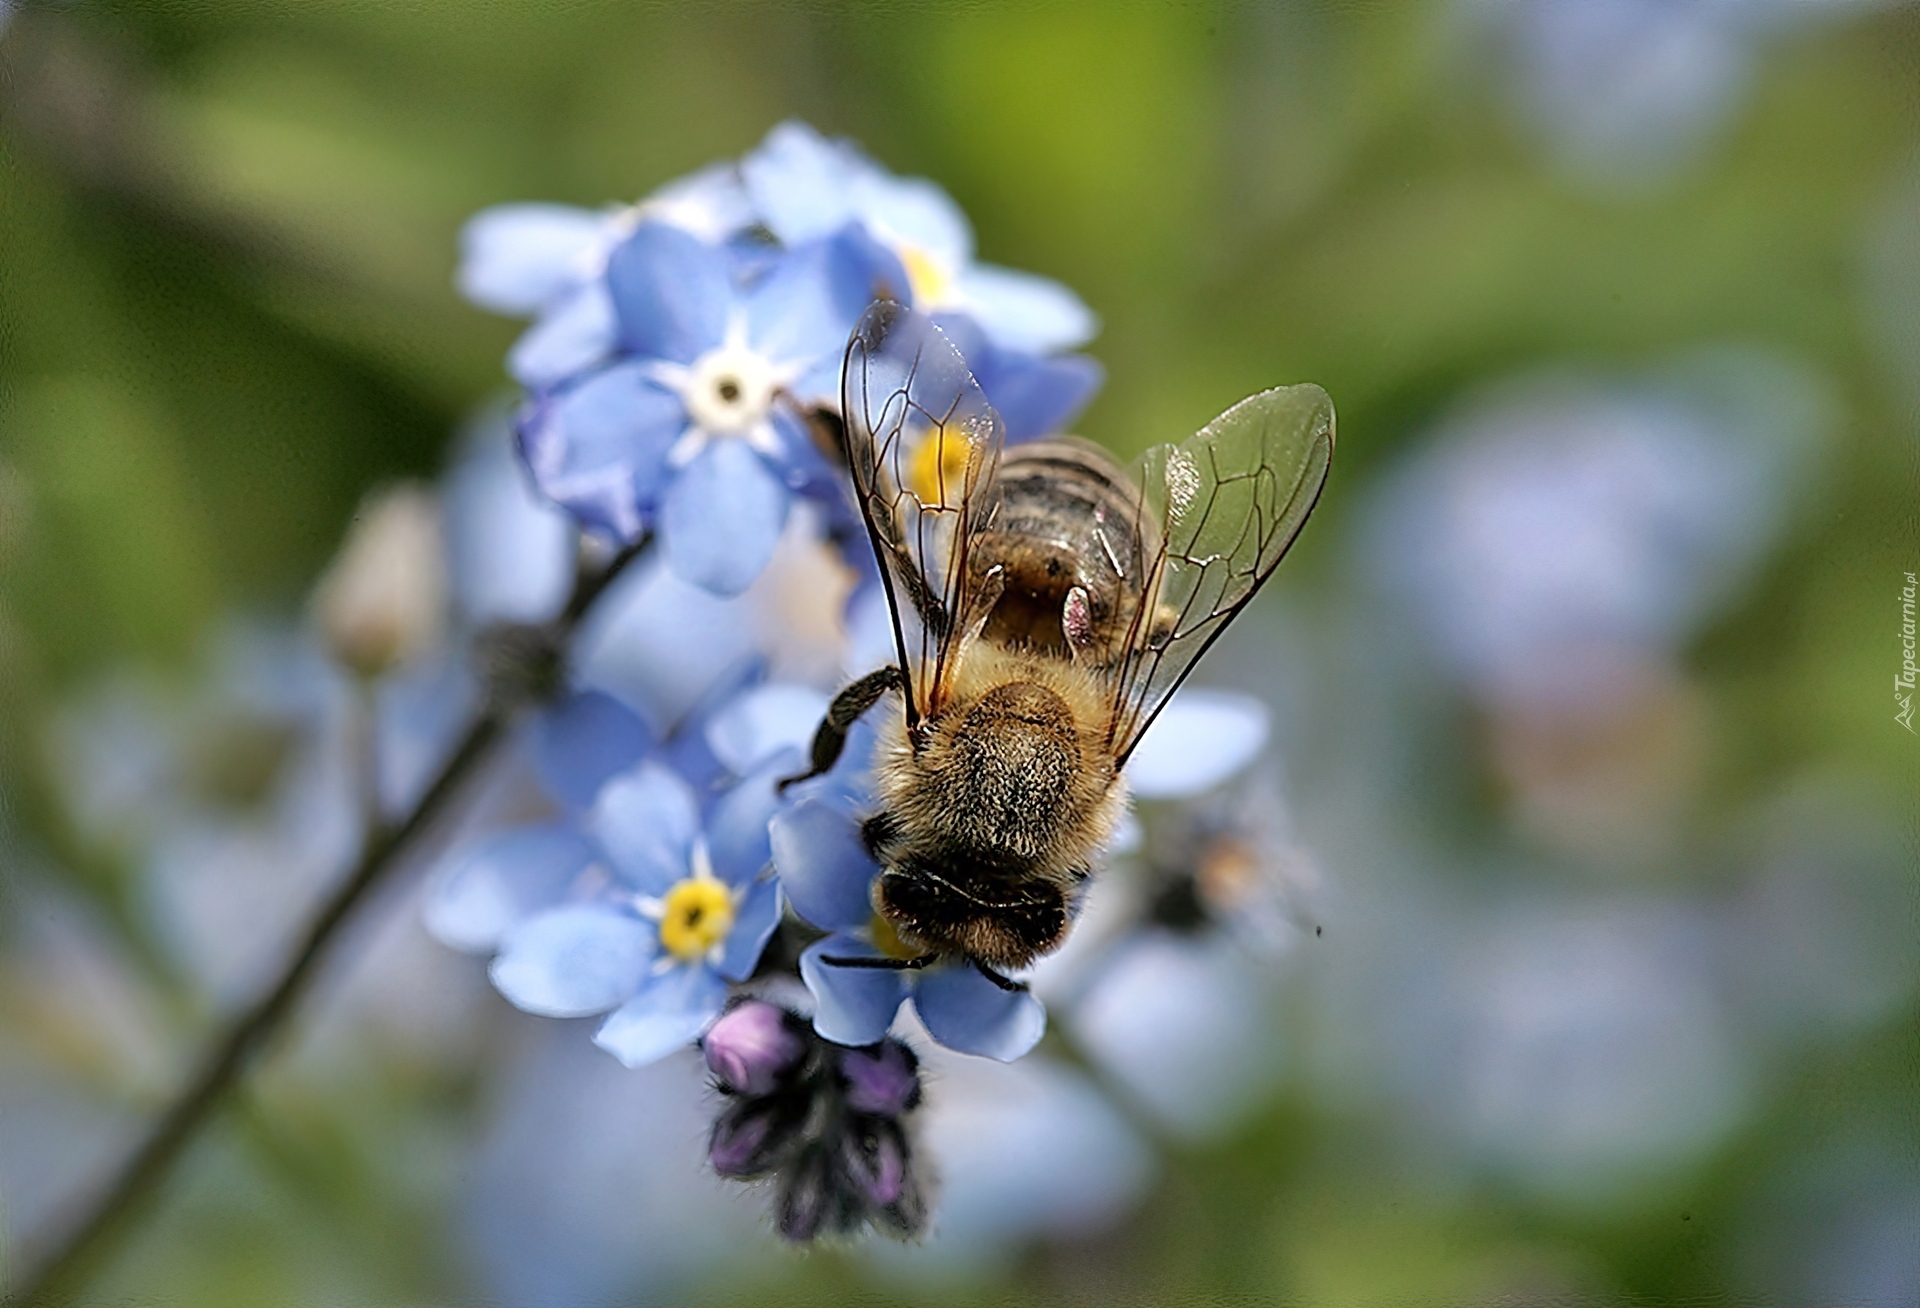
point(421, 711)
point(574, 961)
point(670, 293)
point(515, 258)
point(645, 820)
point(510, 551)
point(669, 1013)
point(481, 895)
point(583, 740)
point(737, 839)
point(600, 448)
point(1023, 311)
point(800, 182)
point(660, 643)
point(915, 211)
point(1039, 396)
point(574, 335)
point(852, 1005)
point(722, 517)
point(712, 203)
point(804, 309)
point(753, 926)
point(1200, 739)
point(824, 865)
point(763, 722)
point(966, 1012)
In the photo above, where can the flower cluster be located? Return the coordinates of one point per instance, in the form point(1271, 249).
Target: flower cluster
point(683, 386)
point(635, 854)
point(682, 347)
point(831, 1123)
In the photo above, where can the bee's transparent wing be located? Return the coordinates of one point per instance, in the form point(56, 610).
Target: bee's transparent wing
point(923, 446)
point(1228, 502)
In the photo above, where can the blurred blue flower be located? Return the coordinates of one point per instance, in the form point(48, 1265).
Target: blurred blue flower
point(642, 909)
point(696, 427)
point(1564, 529)
point(255, 768)
point(804, 187)
point(1629, 92)
point(1023, 1151)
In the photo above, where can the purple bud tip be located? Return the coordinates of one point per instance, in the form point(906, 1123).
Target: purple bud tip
point(735, 1147)
point(750, 1048)
point(887, 1175)
point(880, 1080)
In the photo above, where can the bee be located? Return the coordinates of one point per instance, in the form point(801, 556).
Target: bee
point(1045, 605)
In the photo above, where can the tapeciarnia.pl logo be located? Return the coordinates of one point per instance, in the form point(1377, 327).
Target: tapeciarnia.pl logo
point(1903, 680)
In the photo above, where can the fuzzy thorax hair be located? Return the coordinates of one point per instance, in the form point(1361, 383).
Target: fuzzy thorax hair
point(1014, 774)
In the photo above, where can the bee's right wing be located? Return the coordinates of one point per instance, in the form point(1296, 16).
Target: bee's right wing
point(923, 447)
point(1227, 503)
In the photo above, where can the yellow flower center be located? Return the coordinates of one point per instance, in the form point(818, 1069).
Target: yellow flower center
point(937, 469)
point(931, 279)
point(699, 913)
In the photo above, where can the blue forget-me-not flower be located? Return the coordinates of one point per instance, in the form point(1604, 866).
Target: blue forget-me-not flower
point(644, 908)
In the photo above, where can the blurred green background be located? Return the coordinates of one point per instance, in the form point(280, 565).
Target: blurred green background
point(229, 231)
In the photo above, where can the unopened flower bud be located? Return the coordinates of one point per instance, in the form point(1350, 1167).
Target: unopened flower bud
point(806, 1203)
point(752, 1047)
point(877, 1165)
point(384, 598)
point(748, 1139)
point(884, 1079)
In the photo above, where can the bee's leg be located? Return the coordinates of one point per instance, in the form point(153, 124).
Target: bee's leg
point(1006, 983)
point(845, 710)
point(891, 964)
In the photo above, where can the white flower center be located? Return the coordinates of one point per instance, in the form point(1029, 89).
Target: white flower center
point(730, 390)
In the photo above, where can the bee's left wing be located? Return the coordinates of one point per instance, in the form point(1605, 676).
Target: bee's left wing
point(923, 446)
point(1228, 502)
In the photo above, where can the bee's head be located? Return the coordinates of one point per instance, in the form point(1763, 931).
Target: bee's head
point(1004, 923)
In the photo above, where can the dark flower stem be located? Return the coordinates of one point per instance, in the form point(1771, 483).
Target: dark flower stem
point(237, 1047)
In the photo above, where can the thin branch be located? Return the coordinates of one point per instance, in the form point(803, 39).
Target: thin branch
point(247, 1035)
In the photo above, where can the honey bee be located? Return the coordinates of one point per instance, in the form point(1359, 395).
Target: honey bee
point(1045, 604)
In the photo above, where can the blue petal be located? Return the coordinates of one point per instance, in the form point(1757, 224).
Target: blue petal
point(808, 304)
point(753, 926)
point(515, 258)
point(421, 710)
point(712, 203)
point(852, 1005)
point(1200, 739)
point(1039, 396)
point(600, 448)
point(670, 1012)
point(737, 838)
point(574, 335)
point(583, 740)
point(824, 865)
point(510, 551)
point(763, 722)
point(660, 643)
point(574, 961)
point(800, 182)
point(914, 211)
point(966, 1012)
point(645, 820)
point(479, 896)
point(722, 518)
point(670, 293)
point(1023, 311)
